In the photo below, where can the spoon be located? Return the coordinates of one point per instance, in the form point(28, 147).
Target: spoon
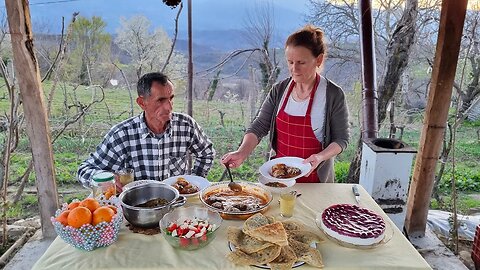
point(236, 187)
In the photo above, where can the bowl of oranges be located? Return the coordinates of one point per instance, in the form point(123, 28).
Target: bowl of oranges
point(90, 223)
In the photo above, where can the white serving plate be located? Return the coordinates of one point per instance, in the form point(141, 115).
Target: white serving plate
point(266, 168)
point(198, 181)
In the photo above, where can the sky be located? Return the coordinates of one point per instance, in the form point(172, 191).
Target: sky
point(206, 14)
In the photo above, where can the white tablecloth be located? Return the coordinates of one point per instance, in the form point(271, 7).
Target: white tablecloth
point(137, 251)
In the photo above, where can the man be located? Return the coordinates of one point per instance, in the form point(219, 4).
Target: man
point(154, 143)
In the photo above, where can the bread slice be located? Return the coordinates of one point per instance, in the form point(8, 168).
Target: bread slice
point(304, 236)
point(285, 260)
point(273, 233)
point(305, 253)
point(291, 225)
point(260, 257)
point(255, 221)
point(245, 242)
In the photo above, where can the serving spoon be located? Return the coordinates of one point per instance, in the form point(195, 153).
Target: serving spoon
point(236, 187)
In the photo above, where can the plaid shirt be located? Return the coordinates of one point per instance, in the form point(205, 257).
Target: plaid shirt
point(153, 157)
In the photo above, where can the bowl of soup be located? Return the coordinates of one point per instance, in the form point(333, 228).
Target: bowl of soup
point(145, 205)
point(275, 186)
point(236, 205)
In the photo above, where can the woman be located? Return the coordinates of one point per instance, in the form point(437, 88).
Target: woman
point(306, 114)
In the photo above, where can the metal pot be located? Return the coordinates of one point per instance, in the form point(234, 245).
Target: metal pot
point(149, 217)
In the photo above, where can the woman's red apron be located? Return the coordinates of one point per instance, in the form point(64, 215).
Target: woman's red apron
point(295, 135)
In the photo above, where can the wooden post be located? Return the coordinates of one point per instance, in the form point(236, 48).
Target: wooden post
point(38, 128)
point(446, 56)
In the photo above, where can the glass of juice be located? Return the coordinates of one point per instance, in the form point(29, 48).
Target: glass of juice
point(287, 203)
point(126, 176)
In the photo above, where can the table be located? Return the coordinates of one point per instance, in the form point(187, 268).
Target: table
point(136, 251)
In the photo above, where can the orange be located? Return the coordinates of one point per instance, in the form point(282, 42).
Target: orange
point(108, 194)
point(102, 214)
point(90, 203)
point(113, 208)
point(73, 205)
point(62, 218)
point(79, 216)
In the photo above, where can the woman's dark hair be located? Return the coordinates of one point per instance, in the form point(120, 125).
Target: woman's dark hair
point(310, 37)
point(144, 85)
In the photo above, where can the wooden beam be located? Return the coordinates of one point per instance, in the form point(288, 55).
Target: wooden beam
point(38, 128)
point(446, 56)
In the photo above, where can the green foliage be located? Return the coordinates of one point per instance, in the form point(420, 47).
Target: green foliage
point(29, 200)
point(90, 49)
point(466, 179)
point(82, 193)
point(465, 202)
point(472, 123)
point(81, 138)
point(341, 171)
point(27, 207)
point(213, 85)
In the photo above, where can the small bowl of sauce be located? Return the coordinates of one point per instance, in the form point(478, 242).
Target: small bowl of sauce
point(276, 186)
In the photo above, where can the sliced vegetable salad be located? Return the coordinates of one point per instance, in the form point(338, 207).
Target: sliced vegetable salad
point(190, 231)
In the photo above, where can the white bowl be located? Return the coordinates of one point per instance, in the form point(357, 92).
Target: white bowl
point(139, 183)
point(289, 184)
point(296, 162)
point(198, 181)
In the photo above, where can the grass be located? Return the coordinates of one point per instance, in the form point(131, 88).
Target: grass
point(464, 203)
point(27, 207)
point(81, 138)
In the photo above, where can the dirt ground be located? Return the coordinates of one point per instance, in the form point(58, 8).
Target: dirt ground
point(464, 252)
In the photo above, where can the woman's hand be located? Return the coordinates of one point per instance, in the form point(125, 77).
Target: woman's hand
point(233, 159)
point(236, 158)
point(332, 150)
point(314, 160)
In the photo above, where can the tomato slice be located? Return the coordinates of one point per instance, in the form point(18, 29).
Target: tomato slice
point(172, 227)
point(184, 242)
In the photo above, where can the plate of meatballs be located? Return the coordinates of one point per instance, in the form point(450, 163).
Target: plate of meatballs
point(187, 185)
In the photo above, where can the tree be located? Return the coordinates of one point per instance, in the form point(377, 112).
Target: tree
point(90, 50)
point(470, 52)
point(147, 49)
point(5, 45)
point(260, 28)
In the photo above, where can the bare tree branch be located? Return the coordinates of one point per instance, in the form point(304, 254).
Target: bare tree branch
point(174, 41)
point(57, 56)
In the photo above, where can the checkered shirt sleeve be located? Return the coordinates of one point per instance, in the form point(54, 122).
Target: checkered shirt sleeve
point(153, 157)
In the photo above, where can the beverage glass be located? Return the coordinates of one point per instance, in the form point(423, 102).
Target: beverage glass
point(287, 204)
point(126, 176)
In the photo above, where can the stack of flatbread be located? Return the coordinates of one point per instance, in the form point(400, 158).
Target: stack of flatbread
point(279, 244)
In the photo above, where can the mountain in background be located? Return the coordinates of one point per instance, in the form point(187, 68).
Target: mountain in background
point(218, 27)
point(215, 23)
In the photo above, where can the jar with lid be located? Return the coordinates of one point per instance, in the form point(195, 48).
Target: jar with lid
point(103, 184)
